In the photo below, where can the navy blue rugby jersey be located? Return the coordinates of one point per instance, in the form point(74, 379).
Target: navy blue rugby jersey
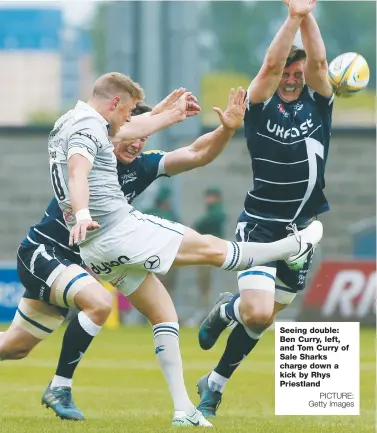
point(134, 178)
point(288, 144)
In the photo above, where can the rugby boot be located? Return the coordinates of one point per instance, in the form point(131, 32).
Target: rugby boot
point(308, 239)
point(209, 400)
point(60, 400)
point(182, 419)
point(213, 325)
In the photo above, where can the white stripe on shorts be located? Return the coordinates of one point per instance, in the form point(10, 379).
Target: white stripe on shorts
point(40, 250)
point(54, 274)
point(34, 257)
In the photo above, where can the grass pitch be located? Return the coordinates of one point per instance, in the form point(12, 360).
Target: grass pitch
point(120, 388)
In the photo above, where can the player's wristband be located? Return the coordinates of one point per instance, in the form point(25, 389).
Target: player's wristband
point(83, 214)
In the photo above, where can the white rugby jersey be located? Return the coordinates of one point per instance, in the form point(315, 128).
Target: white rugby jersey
point(84, 131)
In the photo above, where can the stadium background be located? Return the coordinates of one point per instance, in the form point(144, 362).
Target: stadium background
point(51, 52)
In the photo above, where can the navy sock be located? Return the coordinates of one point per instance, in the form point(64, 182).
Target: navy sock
point(229, 308)
point(238, 346)
point(75, 342)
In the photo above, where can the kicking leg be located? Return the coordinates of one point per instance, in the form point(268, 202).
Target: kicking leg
point(197, 249)
point(154, 302)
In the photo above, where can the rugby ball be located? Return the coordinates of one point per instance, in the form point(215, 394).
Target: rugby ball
point(348, 74)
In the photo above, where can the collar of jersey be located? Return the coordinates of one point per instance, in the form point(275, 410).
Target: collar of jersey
point(81, 105)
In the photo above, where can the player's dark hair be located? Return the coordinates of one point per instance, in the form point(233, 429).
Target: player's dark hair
point(141, 108)
point(296, 54)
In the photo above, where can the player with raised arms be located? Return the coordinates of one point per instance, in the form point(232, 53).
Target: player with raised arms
point(287, 128)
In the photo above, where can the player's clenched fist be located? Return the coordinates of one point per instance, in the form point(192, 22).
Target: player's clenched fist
point(78, 232)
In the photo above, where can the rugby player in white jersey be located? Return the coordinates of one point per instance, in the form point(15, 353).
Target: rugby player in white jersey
point(46, 248)
point(44, 255)
point(121, 245)
point(192, 157)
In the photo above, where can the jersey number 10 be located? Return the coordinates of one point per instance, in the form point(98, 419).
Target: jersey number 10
point(58, 189)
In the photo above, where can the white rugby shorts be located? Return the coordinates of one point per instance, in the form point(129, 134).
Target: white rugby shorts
point(125, 254)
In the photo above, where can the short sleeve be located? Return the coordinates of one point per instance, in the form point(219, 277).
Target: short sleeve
point(88, 135)
point(322, 101)
point(153, 164)
point(254, 111)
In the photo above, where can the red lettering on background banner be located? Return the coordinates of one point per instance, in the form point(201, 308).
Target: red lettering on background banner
point(343, 288)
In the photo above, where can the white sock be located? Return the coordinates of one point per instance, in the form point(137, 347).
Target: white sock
point(223, 313)
point(236, 310)
point(166, 341)
point(61, 381)
point(88, 325)
point(216, 382)
point(244, 255)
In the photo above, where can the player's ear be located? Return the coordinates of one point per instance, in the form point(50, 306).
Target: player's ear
point(114, 103)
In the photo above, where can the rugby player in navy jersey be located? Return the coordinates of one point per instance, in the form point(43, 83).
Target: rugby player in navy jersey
point(45, 253)
point(287, 128)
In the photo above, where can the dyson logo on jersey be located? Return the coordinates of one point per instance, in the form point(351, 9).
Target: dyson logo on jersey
point(105, 267)
point(281, 132)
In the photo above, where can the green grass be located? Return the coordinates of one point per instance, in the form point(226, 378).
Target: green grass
point(120, 389)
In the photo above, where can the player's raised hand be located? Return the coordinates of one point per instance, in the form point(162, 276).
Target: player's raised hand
point(186, 106)
point(78, 232)
point(192, 106)
point(300, 8)
point(232, 117)
point(169, 102)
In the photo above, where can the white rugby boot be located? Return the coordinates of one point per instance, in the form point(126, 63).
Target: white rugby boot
point(308, 239)
point(181, 419)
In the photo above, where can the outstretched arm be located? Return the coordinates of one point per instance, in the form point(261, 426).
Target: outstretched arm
point(204, 150)
point(147, 124)
point(267, 80)
point(207, 147)
point(316, 64)
point(175, 108)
